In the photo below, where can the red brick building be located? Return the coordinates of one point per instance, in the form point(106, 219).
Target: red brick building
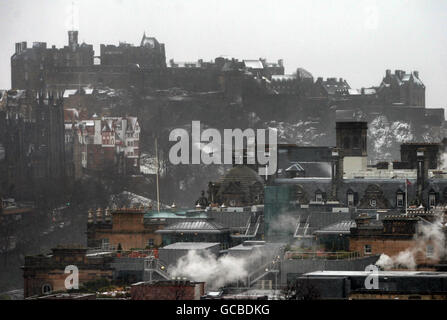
point(394, 235)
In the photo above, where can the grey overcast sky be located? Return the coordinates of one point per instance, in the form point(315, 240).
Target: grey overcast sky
point(353, 39)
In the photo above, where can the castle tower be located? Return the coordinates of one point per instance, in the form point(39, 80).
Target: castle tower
point(73, 39)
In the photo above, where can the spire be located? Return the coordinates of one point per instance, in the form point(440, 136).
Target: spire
point(143, 39)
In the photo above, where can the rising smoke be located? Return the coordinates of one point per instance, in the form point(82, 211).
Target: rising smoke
point(284, 223)
point(428, 234)
point(216, 272)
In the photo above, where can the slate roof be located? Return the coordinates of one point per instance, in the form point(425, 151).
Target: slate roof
point(197, 226)
point(342, 227)
point(230, 220)
point(191, 245)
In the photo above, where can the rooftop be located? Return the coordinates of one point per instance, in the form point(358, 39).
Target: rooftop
point(191, 245)
point(337, 228)
point(200, 226)
point(380, 273)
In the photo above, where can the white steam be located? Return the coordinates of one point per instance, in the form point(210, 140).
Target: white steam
point(430, 234)
point(216, 272)
point(284, 223)
point(444, 161)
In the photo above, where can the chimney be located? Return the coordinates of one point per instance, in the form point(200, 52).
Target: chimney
point(281, 62)
point(416, 74)
point(90, 216)
point(108, 216)
point(422, 172)
point(99, 215)
point(351, 137)
point(18, 47)
point(388, 73)
point(336, 172)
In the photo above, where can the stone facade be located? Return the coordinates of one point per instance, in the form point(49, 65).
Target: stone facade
point(123, 228)
point(33, 143)
point(45, 274)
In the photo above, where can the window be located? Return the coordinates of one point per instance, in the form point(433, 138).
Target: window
point(318, 197)
point(400, 199)
point(150, 242)
point(432, 199)
point(367, 249)
point(429, 251)
point(350, 199)
point(105, 243)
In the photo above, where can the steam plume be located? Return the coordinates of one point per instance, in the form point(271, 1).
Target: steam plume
point(216, 272)
point(429, 234)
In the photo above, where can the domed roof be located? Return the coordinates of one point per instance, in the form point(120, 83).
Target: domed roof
point(243, 174)
point(240, 180)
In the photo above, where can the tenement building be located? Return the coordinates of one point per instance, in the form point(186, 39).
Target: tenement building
point(32, 140)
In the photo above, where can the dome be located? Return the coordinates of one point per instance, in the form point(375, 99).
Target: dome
point(241, 184)
point(243, 174)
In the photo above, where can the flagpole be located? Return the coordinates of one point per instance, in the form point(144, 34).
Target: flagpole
point(158, 170)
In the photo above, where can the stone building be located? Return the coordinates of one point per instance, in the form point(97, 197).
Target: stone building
point(402, 88)
point(110, 144)
point(150, 54)
point(240, 186)
point(31, 68)
point(141, 228)
point(33, 143)
point(132, 228)
point(45, 274)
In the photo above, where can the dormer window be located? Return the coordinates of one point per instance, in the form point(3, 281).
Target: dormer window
point(319, 196)
point(400, 199)
point(350, 196)
point(432, 199)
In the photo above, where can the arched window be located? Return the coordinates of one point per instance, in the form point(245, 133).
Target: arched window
point(350, 198)
point(432, 198)
point(47, 288)
point(319, 196)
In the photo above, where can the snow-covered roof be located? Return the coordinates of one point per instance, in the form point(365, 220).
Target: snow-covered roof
point(253, 64)
point(285, 77)
point(69, 92)
point(88, 90)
